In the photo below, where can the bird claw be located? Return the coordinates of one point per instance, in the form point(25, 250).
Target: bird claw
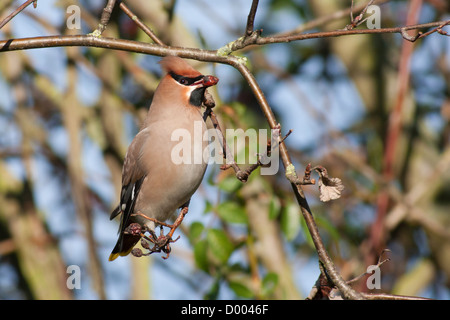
point(160, 244)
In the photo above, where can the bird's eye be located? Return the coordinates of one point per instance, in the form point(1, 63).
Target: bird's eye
point(183, 81)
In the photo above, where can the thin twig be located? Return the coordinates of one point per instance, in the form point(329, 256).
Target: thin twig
point(339, 33)
point(421, 35)
point(17, 11)
point(152, 219)
point(291, 175)
point(256, 39)
point(358, 20)
point(251, 18)
point(242, 175)
point(323, 20)
point(378, 265)
point(148, 31)
point(324, 258)
point(227, 155)
point(351, 11)
point(188, 53)
point(104, 19)
point(386, 296)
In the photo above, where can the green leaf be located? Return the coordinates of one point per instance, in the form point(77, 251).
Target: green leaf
point(200, 255)
point(269, 283)
point(274, 208)
point(230, 184)
point(195, 232)
point(208, 207)
point(232, 212)
point(290, 221)
point(330, 228)
point(213, 292)
point(219, 246)
point(240, 108)
point(240, 289)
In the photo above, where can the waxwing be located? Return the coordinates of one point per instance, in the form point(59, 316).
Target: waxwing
point(154, 184)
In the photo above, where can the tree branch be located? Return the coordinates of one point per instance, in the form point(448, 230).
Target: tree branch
point(251, 18)
point(340, 33)
point(324, 258)
point(323, 20)
point(189, 53)
point(358, 20)
point(421, 35)
point(114, 44)
point(148, 31)
point(106, 15)
point(17, 11)
point(256, 39)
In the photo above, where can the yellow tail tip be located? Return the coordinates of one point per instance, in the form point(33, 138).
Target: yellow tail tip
point(113, 256)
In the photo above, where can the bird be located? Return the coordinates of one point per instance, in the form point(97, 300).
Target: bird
point(154, 186)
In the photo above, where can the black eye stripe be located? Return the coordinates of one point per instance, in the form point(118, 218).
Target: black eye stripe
point(186, 81)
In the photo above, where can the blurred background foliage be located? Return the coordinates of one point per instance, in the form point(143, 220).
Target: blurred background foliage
point(68, 114)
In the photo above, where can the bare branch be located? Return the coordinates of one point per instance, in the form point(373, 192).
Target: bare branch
point(378, 265)
point(324, 258)
point(420, 35)
point(256, 39)
point(251, 18)
point(241, 175)
point(323, 20)
point(359, 19)
point(188, 53)
point(339, 33)
point(106, 15)
point(148, 31)
point(291, 175)
point(17, 11)
point(115, 44)
point(385, 296)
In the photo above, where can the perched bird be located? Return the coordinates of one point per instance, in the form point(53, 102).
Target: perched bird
point(153, 184)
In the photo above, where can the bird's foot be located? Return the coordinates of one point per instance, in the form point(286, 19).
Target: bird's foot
point(160, 243)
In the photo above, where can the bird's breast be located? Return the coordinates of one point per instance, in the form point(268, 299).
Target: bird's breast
point(175, 157)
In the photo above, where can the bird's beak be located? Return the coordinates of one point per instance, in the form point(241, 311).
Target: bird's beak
point(206, 81)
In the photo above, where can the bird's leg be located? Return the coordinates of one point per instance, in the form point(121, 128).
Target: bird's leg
point(154, 238)
point(184, 210)
point(151, 219)
point(161, 243)
point(145, 241)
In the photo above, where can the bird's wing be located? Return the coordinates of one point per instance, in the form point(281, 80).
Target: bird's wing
point(133, 174)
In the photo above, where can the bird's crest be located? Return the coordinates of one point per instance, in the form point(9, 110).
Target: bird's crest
point(178, 66)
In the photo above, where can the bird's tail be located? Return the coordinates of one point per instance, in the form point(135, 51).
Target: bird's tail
point(124, 245)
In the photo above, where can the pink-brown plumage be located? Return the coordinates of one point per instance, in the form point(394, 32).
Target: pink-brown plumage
point(178, 66)
point(152, 183)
